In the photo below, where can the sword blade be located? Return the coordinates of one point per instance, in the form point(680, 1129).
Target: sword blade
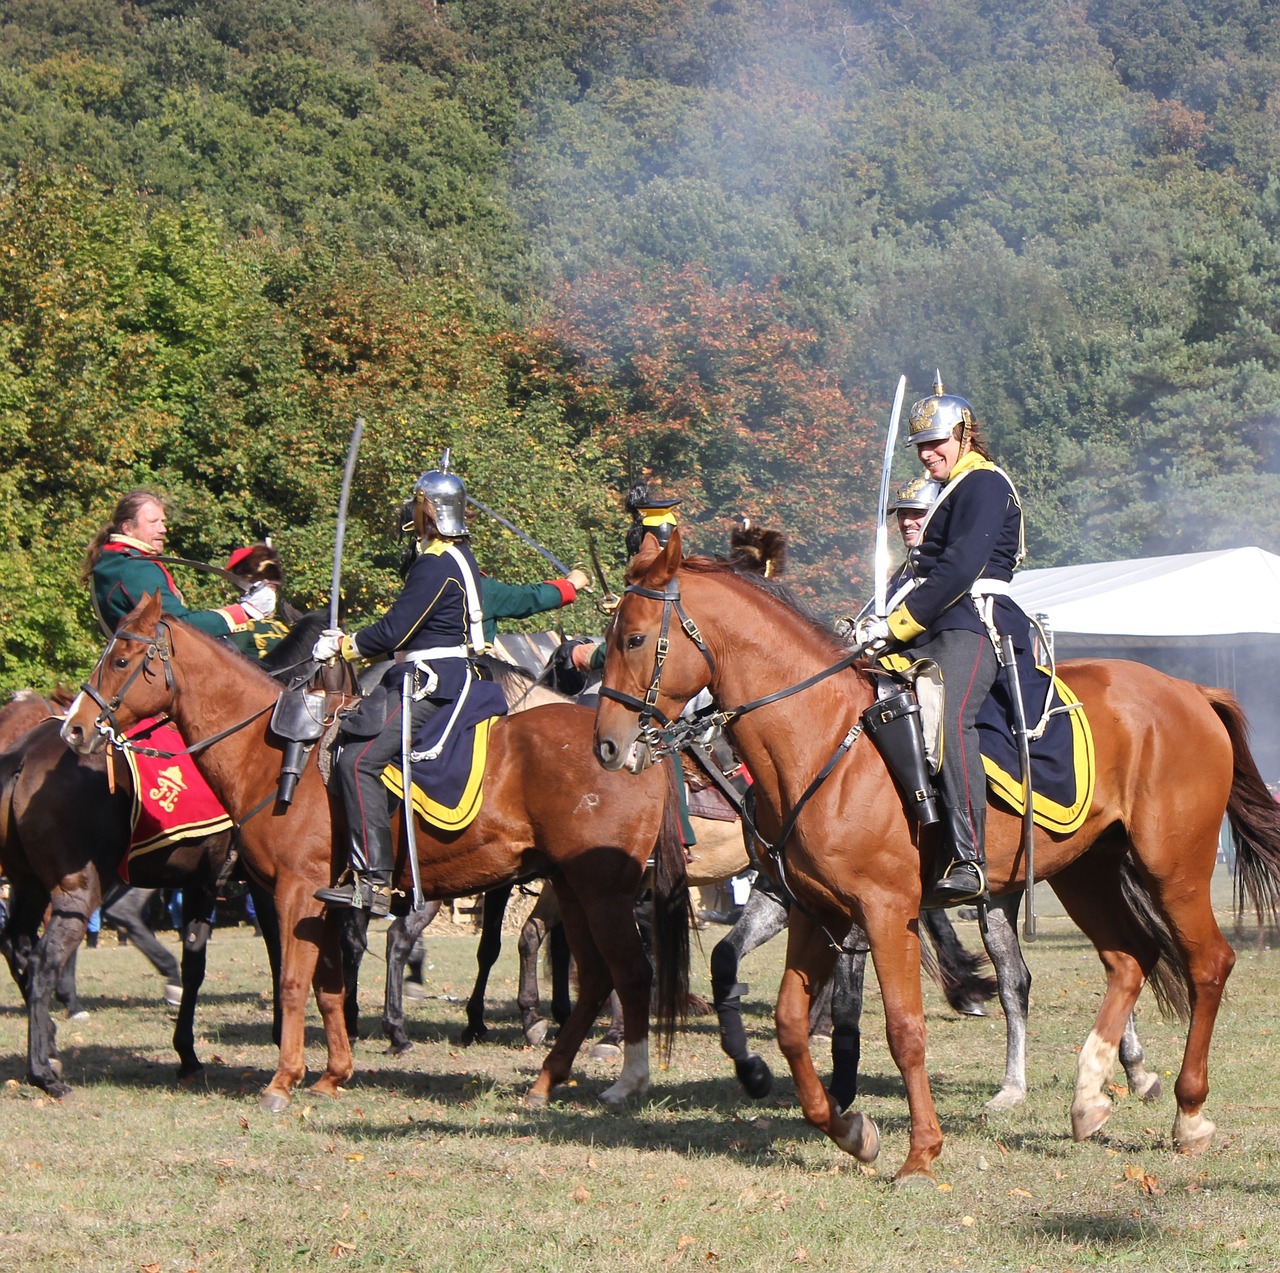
point(341, 532)
point(882, 508)
point(515, 530)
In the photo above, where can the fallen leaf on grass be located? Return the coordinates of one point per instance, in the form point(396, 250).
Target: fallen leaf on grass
point(683, 1241)
point(355, 1158)
point(968, 1221)
point(150, 1268)
point(944, 1188)
point(580, 1194)
point(1021, 1193)
point(339, 1249)
point(800, 1256)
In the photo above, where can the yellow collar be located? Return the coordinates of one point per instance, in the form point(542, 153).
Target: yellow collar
point(130, 542)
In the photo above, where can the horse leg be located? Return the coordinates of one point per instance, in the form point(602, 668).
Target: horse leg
point(1013, 978)
point(354, 932)
point(561, 961)
point(63, 933)
point(846, 1018)
point(124, 908)
point(493, 911)
point(197, 924)
point(1092, 895)
point(310, 953)
point(809, 963)
point(65, 991)
point(609, 1046)
point(264, 909)
point(763, 917)
point(402, 940)
point(532, 1021)
point(1142, 1083)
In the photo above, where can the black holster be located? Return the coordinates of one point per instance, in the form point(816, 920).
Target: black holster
point(298, 718)
point(894, 724)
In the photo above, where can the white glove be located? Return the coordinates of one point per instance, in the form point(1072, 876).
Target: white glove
point(260, 601)
point(872, 632)
point(327, 645)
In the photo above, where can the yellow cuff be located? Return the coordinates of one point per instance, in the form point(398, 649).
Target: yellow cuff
point(348, 649)
point(903, 626)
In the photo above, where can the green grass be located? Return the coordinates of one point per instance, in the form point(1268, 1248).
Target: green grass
point(430, 1162)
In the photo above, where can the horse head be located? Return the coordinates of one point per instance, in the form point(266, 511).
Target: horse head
point(650, 673)
point(132, 680)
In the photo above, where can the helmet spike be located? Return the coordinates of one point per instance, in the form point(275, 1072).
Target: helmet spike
point(938, 390)
point(444, 461)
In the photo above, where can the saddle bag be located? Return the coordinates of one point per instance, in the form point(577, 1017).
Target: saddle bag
point(894, 725)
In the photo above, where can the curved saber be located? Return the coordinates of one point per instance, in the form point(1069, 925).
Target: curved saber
point(882, 508)
point(341, 532)
point(515, 530)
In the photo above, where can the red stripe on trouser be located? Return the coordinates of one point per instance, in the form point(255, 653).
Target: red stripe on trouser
point(964, 759)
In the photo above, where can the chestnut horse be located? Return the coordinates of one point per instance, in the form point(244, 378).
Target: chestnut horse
point(547, 810)
point(1172, 758)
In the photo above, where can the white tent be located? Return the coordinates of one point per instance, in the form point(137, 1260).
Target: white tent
point(1216, 599)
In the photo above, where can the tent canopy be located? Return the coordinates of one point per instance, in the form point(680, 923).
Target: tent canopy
point(1215, 598)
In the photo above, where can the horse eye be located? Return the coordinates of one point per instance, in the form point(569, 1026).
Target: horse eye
point(122, 662)
point(635, 640)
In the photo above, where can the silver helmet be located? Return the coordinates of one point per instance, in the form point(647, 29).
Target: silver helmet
point(933, 419)
point(919, 494)
point(443, 495)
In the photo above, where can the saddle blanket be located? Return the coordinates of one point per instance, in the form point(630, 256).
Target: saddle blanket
point(1063, 765)
point(447, 792)
point(171, 801)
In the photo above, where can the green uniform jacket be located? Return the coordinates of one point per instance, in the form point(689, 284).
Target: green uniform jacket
point(520, 600)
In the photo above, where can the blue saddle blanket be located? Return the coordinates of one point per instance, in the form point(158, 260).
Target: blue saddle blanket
point(1062, 759)
point(449, 790)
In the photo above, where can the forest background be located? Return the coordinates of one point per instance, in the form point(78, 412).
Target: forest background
point(596, 240)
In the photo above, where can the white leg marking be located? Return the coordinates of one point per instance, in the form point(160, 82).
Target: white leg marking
point(634, 1079)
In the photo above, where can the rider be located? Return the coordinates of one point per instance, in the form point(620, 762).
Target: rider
point(121, 566)
point(972, 540)
point(437, 620)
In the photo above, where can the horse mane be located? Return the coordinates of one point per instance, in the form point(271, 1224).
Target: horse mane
point(516, 681)
point(757, 551)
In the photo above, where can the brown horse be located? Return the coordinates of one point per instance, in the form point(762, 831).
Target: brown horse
point(548, 810)
point(1172, 757)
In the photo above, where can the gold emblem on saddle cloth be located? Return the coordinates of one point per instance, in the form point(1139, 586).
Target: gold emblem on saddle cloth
point(169, 786)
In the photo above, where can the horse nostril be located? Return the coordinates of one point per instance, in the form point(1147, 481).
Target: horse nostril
point(606, 750)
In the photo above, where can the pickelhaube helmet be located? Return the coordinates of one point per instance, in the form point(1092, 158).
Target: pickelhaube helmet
point(650, 515)
point(442, 494)
point(933, 419)
point(919, 493)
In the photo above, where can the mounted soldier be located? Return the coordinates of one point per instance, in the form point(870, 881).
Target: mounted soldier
point(437, 625)
point(125, 562)
point(954, 610)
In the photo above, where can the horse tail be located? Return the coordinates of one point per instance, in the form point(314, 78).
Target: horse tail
point(671, 919)
point(1167, 978)
point(1252, 812)
point(957, 969)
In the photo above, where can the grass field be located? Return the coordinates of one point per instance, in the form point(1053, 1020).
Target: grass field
point(430, 1162)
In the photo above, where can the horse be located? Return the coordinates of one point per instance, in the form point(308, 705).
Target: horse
point(547, 809)
point(64, 828)
point(1171, 759)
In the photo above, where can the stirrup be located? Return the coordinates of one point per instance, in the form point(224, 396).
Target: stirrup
point(951, 891)
point(361, 893)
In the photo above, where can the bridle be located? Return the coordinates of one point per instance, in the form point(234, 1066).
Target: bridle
point(675, 736)
point(159, 647)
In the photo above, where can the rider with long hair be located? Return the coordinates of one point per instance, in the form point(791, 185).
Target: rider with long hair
point(121, 566)
point(970, 544)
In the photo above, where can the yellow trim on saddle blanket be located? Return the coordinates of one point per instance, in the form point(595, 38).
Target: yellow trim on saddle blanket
point(462, 814)
point(1047, 813)
point(162, 800)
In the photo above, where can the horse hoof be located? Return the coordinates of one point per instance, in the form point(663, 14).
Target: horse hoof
point(1152, 1090)
point(81, 1015)
point(535, 1099)
point(273, 1102)
point(399, 1049)
point(188, 1072)
point(914, 1180)
point(972, 1009)
point(615, 1099)
point(606, 1052)
point(755, 1076)
point(473, 1034)
point(173, 995)
point(1193, 1134)
point(862, 1140)
point(55, 1067)
point(536, 1034)
point(1087, 1120)
point(414, 990)
point(1007, 1098)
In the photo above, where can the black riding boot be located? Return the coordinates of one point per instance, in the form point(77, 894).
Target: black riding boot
point(368, 889)
point(966, 876)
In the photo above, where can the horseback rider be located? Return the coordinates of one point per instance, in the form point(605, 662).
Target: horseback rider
point(955, 607)
point(437, 620)
point(121, 566)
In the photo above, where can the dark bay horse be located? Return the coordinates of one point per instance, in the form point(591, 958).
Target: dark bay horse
point(548, 810)
point(1172, 758)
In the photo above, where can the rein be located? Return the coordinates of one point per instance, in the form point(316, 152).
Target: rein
point(679, 735)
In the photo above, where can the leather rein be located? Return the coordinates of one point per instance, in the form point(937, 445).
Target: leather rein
point(675, 736)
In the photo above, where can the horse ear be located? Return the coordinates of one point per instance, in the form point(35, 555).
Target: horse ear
point(152, 608)
point(667, 562)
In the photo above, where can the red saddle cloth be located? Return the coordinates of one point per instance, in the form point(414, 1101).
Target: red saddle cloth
point(171, 801)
